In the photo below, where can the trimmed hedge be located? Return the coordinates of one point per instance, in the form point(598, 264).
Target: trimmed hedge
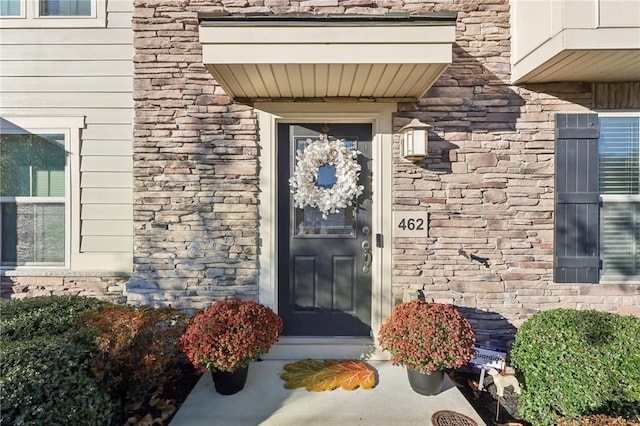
point(24, 319)
point(78, 360)
point(47, 381)
point(46, 376)
point(600, 420)
point(578, 363)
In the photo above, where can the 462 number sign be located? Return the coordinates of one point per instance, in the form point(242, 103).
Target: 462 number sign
point(410, 224)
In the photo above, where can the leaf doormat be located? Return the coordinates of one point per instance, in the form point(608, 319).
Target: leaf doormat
point(318, 376)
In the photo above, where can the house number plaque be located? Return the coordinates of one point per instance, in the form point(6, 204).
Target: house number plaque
point(411, 224)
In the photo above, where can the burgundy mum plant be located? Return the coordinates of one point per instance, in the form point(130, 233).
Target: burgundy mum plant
point(427, 336)
point(230, 334)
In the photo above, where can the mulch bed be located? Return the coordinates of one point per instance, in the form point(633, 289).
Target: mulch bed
point(158, 410)
point(494, 410)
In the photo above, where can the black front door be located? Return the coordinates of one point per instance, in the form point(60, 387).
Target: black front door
point(324, 279)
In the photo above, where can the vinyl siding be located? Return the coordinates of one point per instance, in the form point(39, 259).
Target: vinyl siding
point(87, 72)
point(107, 195)
point(70, 84)
point(36, 68)
point(106, 212)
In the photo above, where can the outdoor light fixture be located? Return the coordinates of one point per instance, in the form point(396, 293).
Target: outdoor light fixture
point(415, 140)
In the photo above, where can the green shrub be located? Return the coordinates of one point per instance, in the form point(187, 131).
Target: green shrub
point(578, 363)
point(137, 348)
point(76, 360)
point(42, 316)
point(600, 420)
point(47, 381)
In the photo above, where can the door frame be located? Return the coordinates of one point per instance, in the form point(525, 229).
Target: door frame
point(380, 115)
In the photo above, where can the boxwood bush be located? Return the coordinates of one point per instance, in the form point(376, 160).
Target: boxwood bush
point(578, 363)
point(79, 360)
point(46, 377)
point(47, 381)
point(600, 420)
point(42, 316)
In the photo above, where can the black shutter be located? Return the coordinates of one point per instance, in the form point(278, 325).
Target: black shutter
point(576, 254)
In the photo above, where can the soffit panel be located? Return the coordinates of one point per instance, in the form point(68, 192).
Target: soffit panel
point(587, 66)
point(326, 80)
point(589, 55)
point(320, 57)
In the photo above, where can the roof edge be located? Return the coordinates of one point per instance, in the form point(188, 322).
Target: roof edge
point(395, 18)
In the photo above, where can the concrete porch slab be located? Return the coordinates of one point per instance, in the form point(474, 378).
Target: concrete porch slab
point(265, 401)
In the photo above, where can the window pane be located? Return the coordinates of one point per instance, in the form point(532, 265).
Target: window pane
point(32, 233)
point(14, 165)
point(9, 218)
point(618, 155)
point(32, 165)
point(10, 7)
point(65, 7)
point(620, 232)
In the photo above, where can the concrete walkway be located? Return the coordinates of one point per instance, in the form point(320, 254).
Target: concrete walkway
point(265, 401)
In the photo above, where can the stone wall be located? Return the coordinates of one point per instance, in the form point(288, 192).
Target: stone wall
point(99, 285)
point(489, 192)
point(195, 169)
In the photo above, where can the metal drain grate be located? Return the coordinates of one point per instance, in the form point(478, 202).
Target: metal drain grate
point(451, 418)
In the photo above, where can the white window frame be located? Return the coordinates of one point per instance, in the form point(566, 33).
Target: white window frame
point(30, 17)
point(617, 198)
point(70, 127)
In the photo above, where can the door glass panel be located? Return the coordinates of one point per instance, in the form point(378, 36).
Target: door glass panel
point(308, 222)
point(326, 176)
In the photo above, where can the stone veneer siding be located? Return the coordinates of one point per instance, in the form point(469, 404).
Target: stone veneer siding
point(489, 191)
point(99, 285)
point(195, 168)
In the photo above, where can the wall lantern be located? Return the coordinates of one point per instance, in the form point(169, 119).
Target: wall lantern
point(415, 140)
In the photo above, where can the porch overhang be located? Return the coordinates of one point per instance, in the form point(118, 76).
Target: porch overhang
point(288, 57)
point(587, 55)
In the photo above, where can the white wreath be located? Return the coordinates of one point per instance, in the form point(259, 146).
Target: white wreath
point(303, 183)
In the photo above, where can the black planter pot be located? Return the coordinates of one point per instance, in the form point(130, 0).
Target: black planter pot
point(229, 383)
point(426, 384)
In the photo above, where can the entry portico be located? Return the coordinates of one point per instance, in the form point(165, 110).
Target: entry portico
point(340, 72)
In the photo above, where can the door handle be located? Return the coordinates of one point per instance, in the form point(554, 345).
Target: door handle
point(366, 251)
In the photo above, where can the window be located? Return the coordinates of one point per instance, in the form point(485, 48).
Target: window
point(619, 187)
point(32, 189)
point(53, 13)
point(597, 200)
point(35, 178)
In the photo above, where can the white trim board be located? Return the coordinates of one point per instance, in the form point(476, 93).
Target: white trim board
point(380, 116)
